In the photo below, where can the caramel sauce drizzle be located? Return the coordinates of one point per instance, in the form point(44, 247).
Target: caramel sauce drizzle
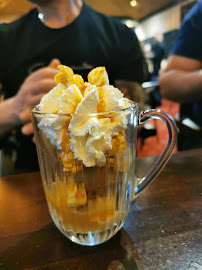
point(101, 103)
point(66, 154)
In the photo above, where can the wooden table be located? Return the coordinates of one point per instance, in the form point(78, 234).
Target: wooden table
point(162, 231)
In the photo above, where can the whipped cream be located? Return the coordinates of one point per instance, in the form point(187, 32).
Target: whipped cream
point(90, 131)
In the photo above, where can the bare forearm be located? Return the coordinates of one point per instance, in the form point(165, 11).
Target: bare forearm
point(181, 86)
point(8, 116)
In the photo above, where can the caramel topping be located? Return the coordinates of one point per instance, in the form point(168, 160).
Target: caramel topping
point(98, 76)
point(66, 154)
point(82, 90)
point(65, 136)
point(118, 144)
point(61, 78)
point(79, 198)
point(56, 110)
point(78, 80)
point(68, 72)
point(77, 211)
point(101, 103)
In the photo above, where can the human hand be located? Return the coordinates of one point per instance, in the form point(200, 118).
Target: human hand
point(31, 92)
point(25, 117)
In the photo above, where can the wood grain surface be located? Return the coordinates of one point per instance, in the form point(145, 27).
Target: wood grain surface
point(162, 231)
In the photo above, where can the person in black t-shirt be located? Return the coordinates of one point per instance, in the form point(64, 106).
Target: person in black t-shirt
point(67, 32)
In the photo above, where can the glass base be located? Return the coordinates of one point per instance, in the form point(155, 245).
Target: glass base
point(90, 238)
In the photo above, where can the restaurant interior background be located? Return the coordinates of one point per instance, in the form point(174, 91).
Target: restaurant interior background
point(163, 228)
point(146, 18)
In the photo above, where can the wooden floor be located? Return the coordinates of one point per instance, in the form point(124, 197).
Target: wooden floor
point(155, 144)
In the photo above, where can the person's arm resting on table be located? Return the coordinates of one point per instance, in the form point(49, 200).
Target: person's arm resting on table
point(181, 81)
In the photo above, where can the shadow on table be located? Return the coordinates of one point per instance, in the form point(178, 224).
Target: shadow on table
point(48, 249)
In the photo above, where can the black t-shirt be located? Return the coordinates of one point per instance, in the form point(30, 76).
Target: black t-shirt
point(91, 40)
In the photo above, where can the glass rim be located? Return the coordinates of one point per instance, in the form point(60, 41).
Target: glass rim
point(133, 106)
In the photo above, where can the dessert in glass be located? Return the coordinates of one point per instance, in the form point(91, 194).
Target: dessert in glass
point(85, 135)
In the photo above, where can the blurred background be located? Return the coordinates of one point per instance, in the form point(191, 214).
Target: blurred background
point(146, 17)
point(154, 21)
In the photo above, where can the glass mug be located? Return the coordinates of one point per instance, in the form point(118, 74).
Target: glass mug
point(90, 204)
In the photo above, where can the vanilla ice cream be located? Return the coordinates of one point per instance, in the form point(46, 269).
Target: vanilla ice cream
point(89, 127)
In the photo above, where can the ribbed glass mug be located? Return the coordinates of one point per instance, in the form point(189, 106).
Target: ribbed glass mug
point(90, 204)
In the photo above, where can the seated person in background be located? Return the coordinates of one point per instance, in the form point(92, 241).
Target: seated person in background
point(181, 81)
point(79, 37)
point(158, 54)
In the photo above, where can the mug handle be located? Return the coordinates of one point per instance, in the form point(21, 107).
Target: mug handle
point(167, 151)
